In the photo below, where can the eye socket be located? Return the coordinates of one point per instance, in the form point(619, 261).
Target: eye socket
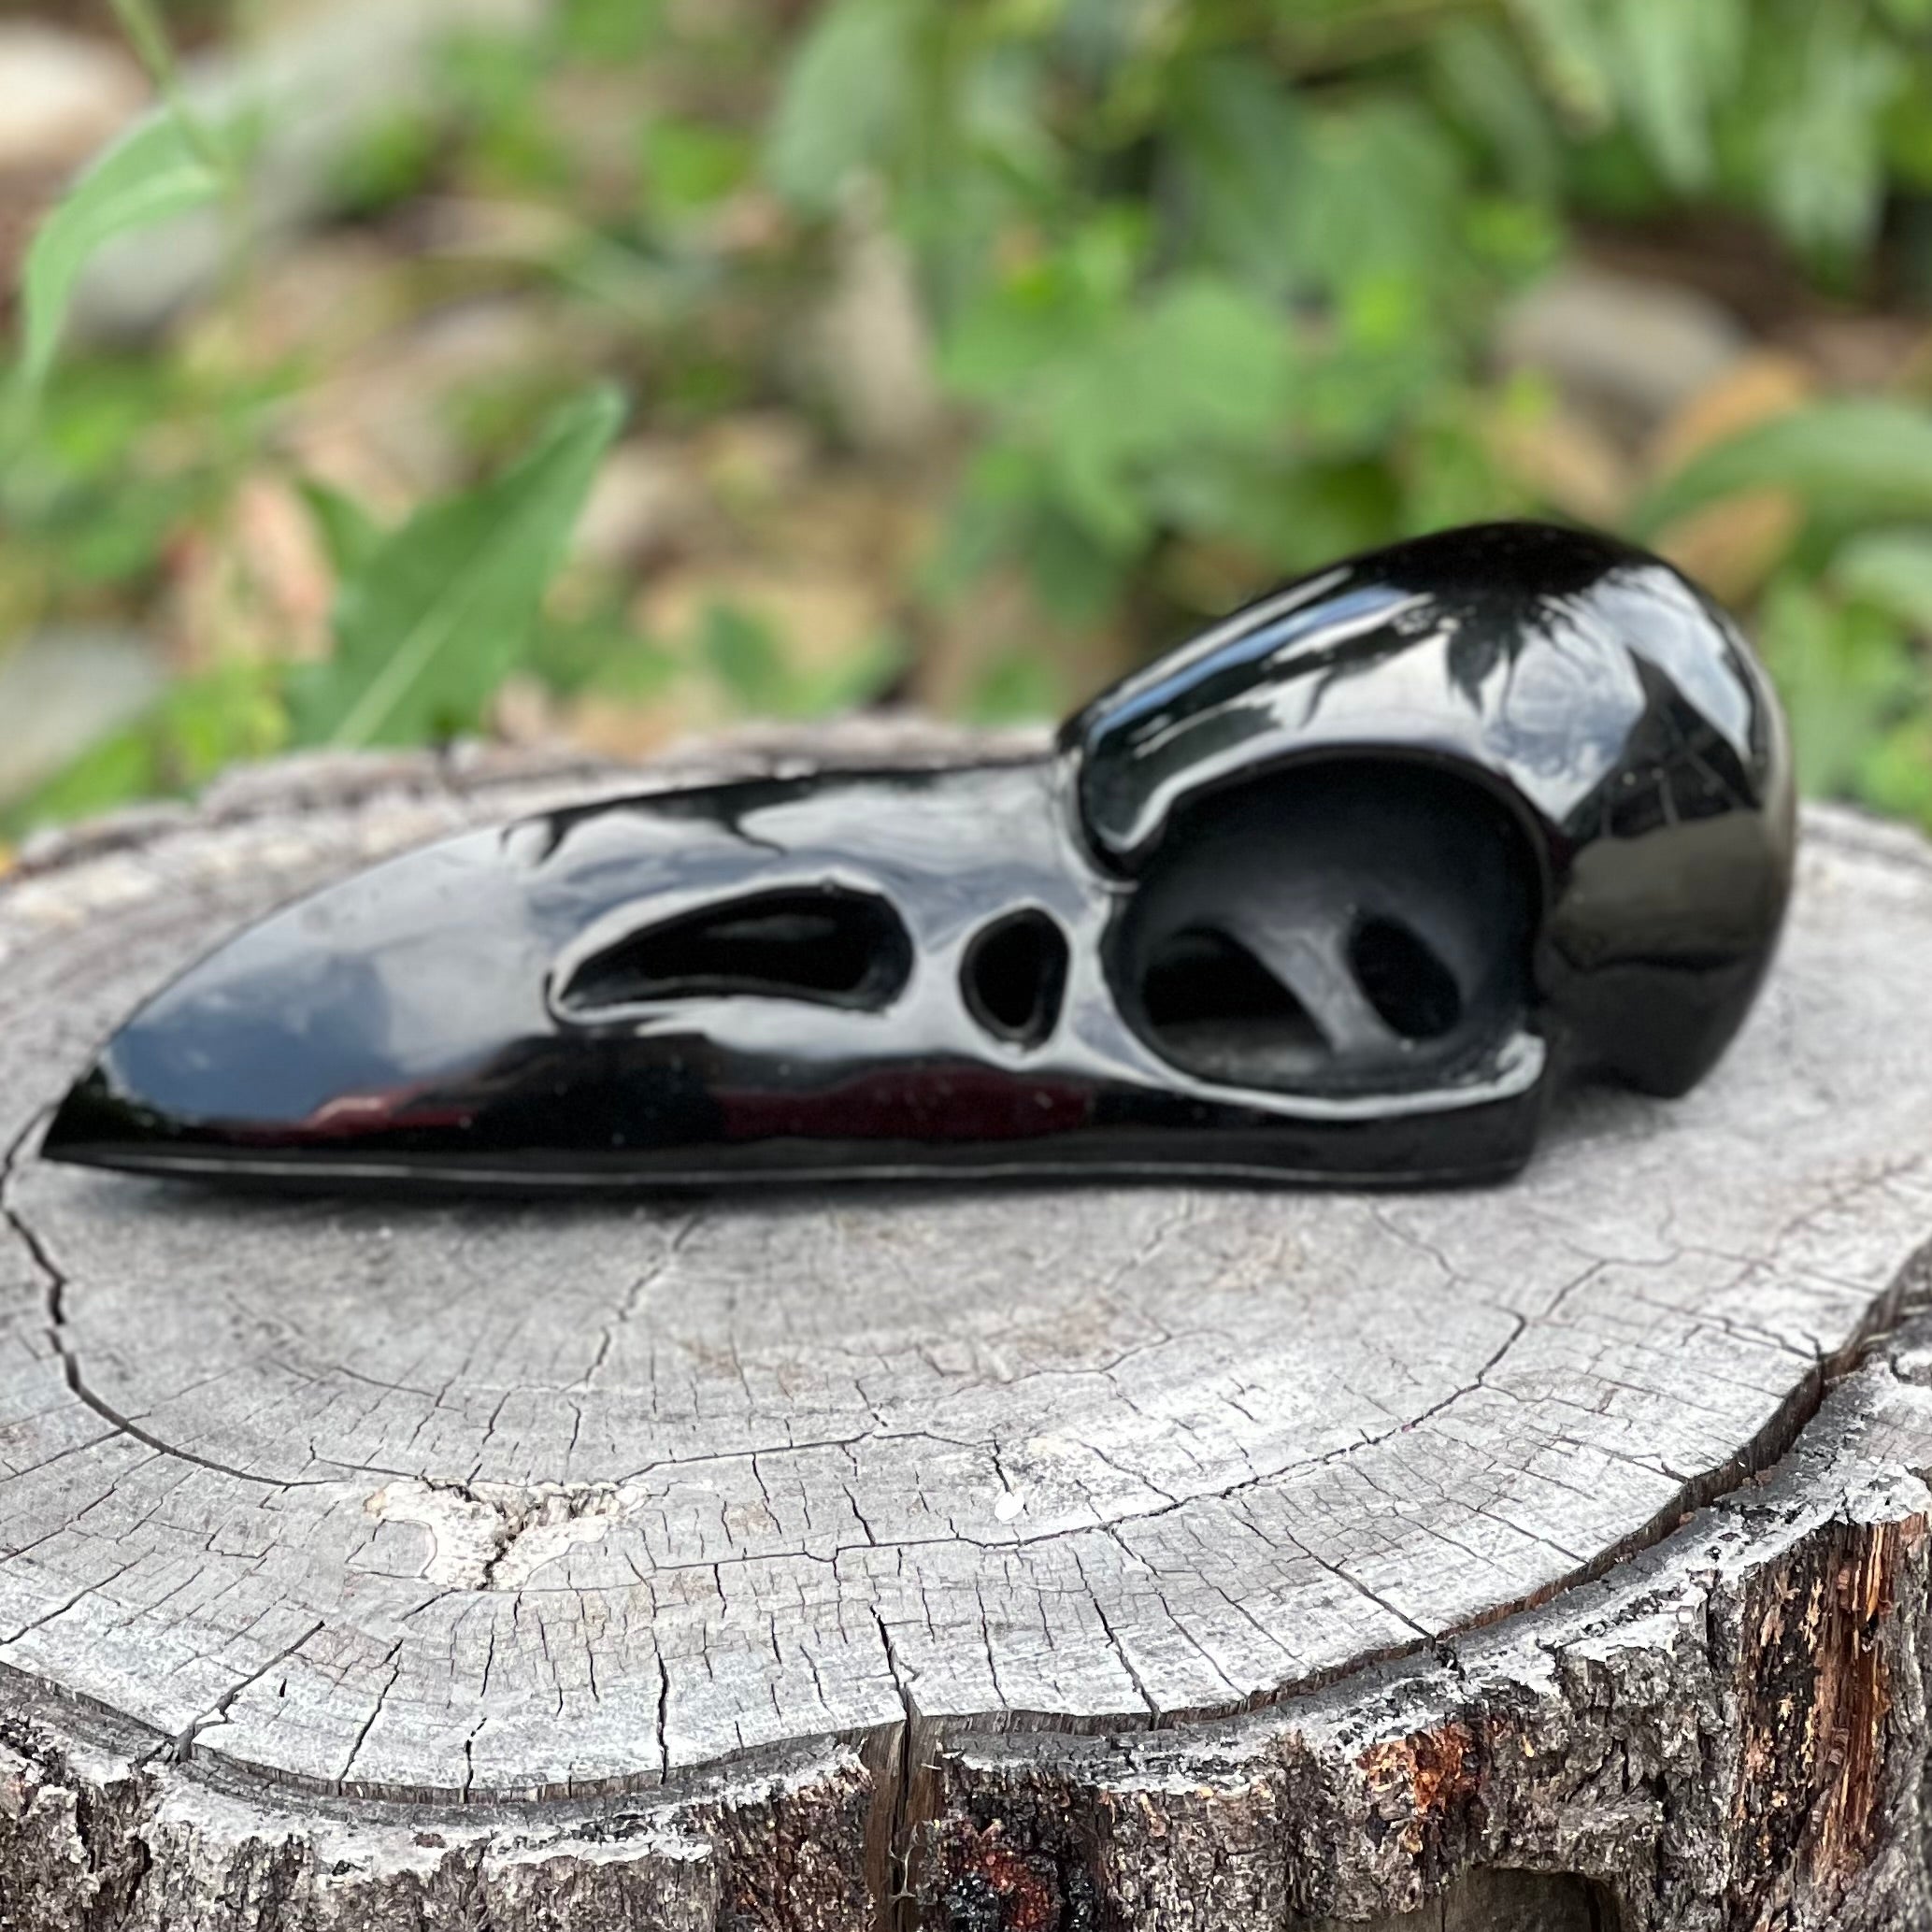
point(1402, 979)
point(1014, 978)
point(826, 945)
point(1347, 928)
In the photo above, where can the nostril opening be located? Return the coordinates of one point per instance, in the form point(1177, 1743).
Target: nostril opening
point(1213, 1008)
point(826, 945)
point(1014, 978)
point(1404, 981)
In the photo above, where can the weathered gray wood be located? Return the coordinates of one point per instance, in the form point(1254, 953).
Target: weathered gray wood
point(942, 1539)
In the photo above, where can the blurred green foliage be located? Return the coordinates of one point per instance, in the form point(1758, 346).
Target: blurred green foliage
point(432, 618)
point(1211, 290)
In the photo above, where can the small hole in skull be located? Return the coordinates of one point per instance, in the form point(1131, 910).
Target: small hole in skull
point(1403, 980)
point(1213, 1008)
point(1014, 978)
point(826, 945)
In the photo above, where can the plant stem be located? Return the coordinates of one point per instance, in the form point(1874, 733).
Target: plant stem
point(149, 38)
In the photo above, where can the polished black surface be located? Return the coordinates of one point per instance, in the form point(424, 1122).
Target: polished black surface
point(1341, 890)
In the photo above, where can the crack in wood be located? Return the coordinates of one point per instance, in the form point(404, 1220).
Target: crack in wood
point(182, 1746)
point(56, 1286)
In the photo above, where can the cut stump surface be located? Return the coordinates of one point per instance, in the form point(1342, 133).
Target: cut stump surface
point(560, 1512)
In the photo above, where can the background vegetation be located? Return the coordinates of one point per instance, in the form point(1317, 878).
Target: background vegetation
point(654, 363)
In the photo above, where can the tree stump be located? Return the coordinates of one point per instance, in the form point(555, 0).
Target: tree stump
point(1551, 1556)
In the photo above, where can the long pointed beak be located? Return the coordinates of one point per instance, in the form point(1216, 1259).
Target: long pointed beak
point(377, 1010)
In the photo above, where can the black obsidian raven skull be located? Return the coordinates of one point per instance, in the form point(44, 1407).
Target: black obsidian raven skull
point(1340, 890)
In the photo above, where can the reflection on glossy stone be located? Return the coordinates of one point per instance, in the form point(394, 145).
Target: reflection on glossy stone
point(1340, 890)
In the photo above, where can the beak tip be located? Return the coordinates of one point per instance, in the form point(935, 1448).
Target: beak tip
point(90, 1123)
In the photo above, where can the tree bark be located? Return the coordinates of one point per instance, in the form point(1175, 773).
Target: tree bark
point(1549, 1555)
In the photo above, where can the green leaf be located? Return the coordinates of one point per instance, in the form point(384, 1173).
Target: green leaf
point(747, 657)
point(599, 652)
point(1892, 570)
point(1820, 149)
point(1483, 77)
point(211, 720)
point(1380, 200)
point(1017, 688)
point(1567, 40)
point(203, 722)
point(741, 651)
point(113, 773)
point(845, 99)
point(390, 159)
point(440, 612)
point(1861, 459)
point(1845, 674)
point(1205, 367)
point(1104, 407)
point(1239, 140)
point(608, 30)
point(690, 164)
point(1048, 314)
point(351, 536)
point(1896, 776)
point(1675, 62)
point(153, 173)
point(1908, 16)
